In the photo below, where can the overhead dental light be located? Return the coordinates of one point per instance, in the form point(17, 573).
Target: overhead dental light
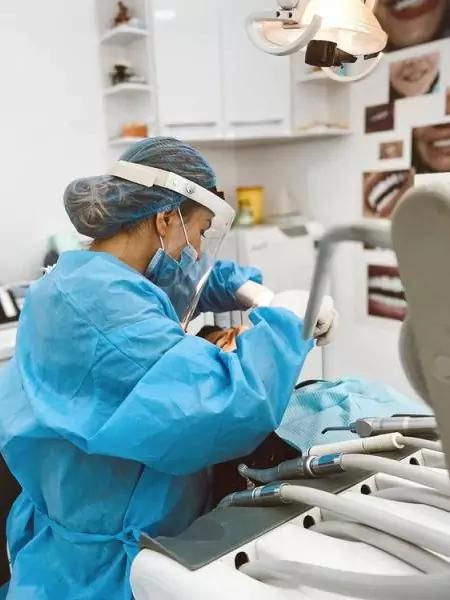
point(330, 32)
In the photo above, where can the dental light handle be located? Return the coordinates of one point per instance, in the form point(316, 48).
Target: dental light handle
point(301, 42)
point(337, 76)
point(377, 234)
point(368, 427)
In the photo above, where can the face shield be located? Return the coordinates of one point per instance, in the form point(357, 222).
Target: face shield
point(184, 286)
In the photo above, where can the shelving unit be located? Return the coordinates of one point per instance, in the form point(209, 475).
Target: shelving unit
point(321, 110)
point(127, 88)
point(210, 116)
point(313, 77)
point(123, 35)
point(129, 43)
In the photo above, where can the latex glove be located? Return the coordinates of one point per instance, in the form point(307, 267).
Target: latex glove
point(252, 294)
point(297, 301)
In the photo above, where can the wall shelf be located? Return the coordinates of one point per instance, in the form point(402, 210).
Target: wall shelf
point(127, 88)
point(322, 132)
point(312, 134)
point(314, 77)
point(123, 35)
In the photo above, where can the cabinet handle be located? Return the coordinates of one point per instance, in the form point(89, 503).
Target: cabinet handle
point(199, 124)
point(260, 122)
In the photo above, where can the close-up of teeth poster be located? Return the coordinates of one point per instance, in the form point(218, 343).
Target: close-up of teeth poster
point(408, 133)
point(385, 294)
point(412, 22)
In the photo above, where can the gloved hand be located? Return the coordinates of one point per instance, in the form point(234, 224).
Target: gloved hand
point(297, 301)
point(252, 294)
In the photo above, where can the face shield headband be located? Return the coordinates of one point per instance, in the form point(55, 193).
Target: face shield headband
point(186, 292)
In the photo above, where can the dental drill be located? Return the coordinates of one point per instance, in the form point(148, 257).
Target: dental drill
point(314, 467)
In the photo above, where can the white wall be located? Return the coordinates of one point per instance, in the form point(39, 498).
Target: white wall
point(325, 180)
point(51, 122)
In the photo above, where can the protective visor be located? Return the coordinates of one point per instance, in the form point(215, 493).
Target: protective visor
point(222, 217)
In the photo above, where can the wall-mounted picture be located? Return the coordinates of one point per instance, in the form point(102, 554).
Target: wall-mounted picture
point(383, 190)
point(379, 118)
point(414, 76)
point(390, 150)
point(411, 22)
point(431, 148)
point(385, 293)
point(447, 102)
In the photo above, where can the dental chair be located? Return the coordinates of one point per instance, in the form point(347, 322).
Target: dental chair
point(258, 546)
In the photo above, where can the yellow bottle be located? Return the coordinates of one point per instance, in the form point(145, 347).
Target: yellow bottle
point(251, 200)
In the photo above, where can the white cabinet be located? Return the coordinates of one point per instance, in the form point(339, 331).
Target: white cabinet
point(187, 56)
point(212, 82)
point(257, 86)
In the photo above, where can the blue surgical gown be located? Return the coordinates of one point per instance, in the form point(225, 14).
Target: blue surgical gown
point(110, 415)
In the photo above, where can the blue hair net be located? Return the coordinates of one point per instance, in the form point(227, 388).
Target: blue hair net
point(99, 206)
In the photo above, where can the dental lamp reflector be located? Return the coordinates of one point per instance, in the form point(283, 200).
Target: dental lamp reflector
point(330, 32)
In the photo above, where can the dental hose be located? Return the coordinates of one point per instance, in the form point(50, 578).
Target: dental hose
point(424, 561)
point(375, 464)
point(420, 443)
point(386, 442)
point(433, 459)
point(413, 495)
point(313, 467)
point(365, 586)
point(355, 509)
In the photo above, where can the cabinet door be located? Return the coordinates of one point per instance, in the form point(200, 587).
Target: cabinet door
point(257, 86)
point(187, 59)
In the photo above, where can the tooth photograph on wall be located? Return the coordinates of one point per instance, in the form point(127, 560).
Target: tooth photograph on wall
point(379, 118)
point(412, 22)
point(431, 148)
point(385, 293)
point(414, 76)
point(390, 150)
point(382, 191)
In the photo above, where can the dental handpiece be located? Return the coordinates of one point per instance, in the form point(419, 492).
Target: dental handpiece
point(267, 495)
point(368, 427)
point(319, 466)
point(310, 467)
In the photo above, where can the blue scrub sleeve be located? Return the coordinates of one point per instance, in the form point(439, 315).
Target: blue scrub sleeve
point(225, 279)
point(198, 406)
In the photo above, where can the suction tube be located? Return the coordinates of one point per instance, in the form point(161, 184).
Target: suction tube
point(405, 551)
point(349, 584)
point(386, 442)
point(415, 496)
